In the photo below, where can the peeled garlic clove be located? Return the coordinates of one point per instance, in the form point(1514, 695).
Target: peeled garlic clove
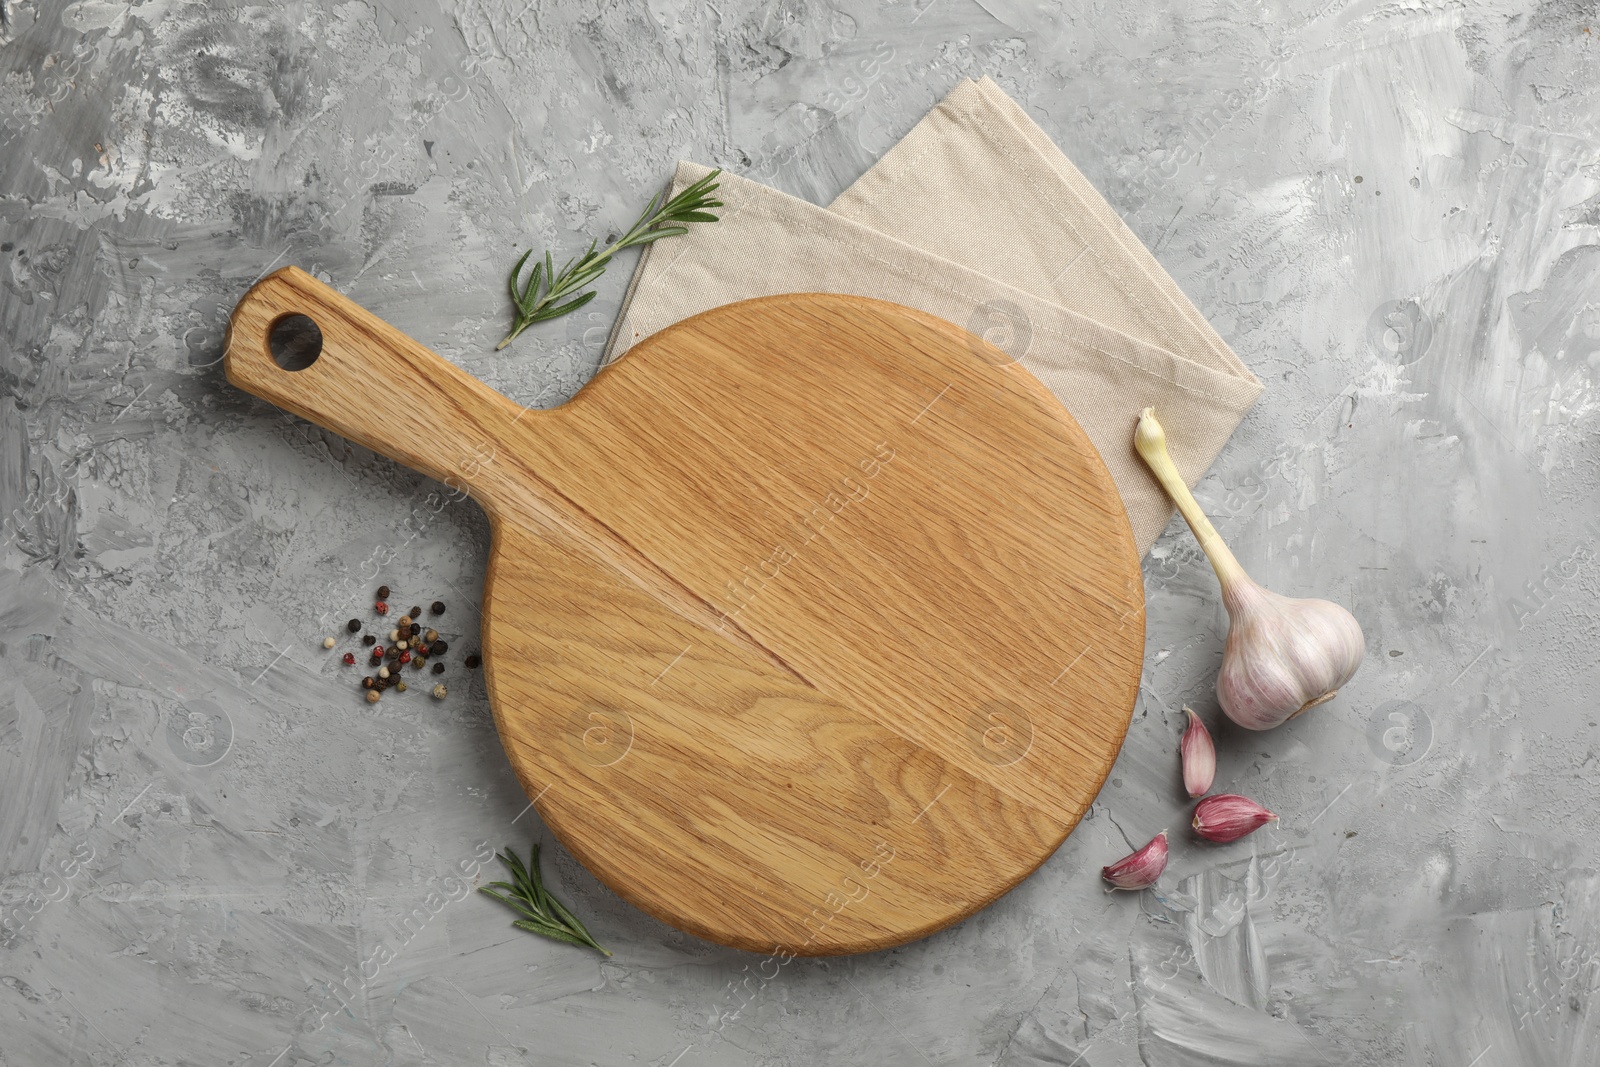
point(1199, 756)
point(1228, 817)
point(1283, 656)
point(1140, 870)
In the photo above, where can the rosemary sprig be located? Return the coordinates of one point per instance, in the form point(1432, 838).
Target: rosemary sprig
point(541, 296)
point(545, 915)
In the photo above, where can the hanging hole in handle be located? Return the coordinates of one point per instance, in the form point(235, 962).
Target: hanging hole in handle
point(296, 342)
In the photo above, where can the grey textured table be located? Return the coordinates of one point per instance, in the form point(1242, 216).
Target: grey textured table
point(212, 853)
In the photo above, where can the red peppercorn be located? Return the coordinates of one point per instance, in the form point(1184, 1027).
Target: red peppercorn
point(349, 658)
point(405, 657)
point(381, 608)
point(377, 650)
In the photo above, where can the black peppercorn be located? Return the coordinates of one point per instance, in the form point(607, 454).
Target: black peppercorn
point(354, 626)
point(438, 668)
point(369, 640)
point(383, 592)
point(437, 648)
point(437, 608)
point(366, 683)
point(375, 660)
point(472, 661)
point(415, 613)
point(416, 629)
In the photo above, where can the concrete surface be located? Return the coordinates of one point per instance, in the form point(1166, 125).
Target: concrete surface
point(213, 855)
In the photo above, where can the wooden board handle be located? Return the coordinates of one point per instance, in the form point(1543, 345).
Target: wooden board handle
point(356, 375)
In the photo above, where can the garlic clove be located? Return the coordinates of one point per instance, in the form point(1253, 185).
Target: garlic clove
point(1141, 869)
point(1228, 817)
point(1199, 756)
point(1283, 655)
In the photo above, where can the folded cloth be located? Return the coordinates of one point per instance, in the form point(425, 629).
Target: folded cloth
point(977, 217)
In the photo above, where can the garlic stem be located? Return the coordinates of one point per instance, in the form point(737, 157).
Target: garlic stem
point(1150, 440)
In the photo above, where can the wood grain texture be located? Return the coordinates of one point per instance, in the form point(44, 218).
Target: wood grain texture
point(812, 625)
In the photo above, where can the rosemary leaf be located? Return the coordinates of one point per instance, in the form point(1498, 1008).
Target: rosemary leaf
point(573, 305)
point(526, 895)
point(570, 919)
point(510, 901)
point(670, 231)
point(542, 295)
point(555, 933)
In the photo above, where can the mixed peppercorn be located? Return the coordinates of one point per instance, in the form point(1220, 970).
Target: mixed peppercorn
point(410, 643)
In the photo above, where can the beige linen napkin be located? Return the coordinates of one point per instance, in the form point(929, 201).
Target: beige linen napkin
point(976, 217)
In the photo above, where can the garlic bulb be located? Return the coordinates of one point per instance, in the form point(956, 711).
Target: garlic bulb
point(1283, 656)
point(1141, 869)
point(1199, 756)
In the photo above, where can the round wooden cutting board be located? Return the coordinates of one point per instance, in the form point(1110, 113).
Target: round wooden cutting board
point(813, 625)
